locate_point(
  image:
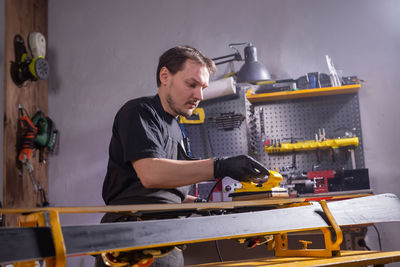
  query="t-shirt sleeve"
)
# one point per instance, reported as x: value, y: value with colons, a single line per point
x: 140, y: 133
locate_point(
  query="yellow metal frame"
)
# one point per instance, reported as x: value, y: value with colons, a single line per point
x: 331, y: 248
x: 46, y: 219
x: 49, y: 217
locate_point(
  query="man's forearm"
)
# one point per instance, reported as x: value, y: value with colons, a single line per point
x: 168, y: 173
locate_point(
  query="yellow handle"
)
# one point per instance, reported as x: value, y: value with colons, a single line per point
x: 198, y: 112
x: 311, y: 145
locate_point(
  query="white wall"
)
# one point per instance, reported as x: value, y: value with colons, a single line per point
x: 103, y: 53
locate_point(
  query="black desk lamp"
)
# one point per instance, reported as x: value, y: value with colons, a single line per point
x: 252, y: 71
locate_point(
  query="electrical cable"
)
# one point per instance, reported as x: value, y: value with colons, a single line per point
x: 212, y: 189
x: 217, y: 247
x: 363, y: 244
x: 209, y: 196
x: 379, y: 237
x: 219, y: 253
x: 209, y: 213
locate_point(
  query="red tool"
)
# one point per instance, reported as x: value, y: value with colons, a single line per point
x: 320, y: 179
x: 28, y: 143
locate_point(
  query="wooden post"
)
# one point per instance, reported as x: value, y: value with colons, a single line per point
x: 21, y: 17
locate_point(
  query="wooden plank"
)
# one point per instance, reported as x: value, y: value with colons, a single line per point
x: 311, y: 197
x: 93, y: 239
x: 348, y: 258
x: 21, y: 17
x: 267, y: 203
x: 303, y: 93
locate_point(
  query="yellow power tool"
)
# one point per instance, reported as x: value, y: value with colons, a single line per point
x: 252, y: 188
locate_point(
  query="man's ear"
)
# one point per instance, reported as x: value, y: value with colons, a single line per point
x: 164, y: 75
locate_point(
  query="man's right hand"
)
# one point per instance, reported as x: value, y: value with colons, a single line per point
x: 241, y: 168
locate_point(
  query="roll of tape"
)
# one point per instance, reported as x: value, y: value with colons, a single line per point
x: 220, y: 88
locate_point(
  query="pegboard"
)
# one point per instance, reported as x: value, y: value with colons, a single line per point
x: 301, y: 119
x: 207, y: 141
x: 282, y: 120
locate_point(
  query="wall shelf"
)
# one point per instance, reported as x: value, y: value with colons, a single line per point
x: 302, y: 93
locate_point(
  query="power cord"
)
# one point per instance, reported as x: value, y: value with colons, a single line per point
x: 217, y: 246
x: 212, y: 190
x: 210, y: 194
x: 209, y: 213
x: 363, y: 244
x: 379, y: 237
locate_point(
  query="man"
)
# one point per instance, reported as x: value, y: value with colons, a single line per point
x: 148, y: 162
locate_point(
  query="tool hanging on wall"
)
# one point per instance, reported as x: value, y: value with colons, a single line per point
x: 197, y: 117
x: 227, y: 121
x: 25, y: 154
x: 38, y: 133
x: 29, y: 68
x: 252, y: 130
x: 311, y: 145
x: 342, y: 133
x: 46, y: 135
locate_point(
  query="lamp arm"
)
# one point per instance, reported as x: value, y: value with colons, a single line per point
x: 230, y: 55
x: 234, y: 57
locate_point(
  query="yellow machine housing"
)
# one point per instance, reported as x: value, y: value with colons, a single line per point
x: 274, y: 179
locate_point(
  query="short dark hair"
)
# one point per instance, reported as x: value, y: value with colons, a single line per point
x: 174, y: 59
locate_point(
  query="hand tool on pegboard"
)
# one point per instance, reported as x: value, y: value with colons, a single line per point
x: 263, y: 138
x: 228, y: 121
x: 197, y: 117
x: 252, y: 130
x: 342, y: 133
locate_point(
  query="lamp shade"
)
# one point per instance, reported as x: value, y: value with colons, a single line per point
x: 252, y: 71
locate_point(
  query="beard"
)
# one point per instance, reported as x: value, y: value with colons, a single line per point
x: 172, y: 104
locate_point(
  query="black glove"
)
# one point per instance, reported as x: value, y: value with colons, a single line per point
x: 241, y: 168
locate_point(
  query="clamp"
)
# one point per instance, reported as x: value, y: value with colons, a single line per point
x: 331, y: 248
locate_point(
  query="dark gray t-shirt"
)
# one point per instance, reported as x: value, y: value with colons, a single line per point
x: 141, y: 129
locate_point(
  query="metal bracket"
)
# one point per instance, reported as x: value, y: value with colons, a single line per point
x: 331, y: 248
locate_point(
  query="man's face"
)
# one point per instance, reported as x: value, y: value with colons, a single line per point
x: 184, y: 89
